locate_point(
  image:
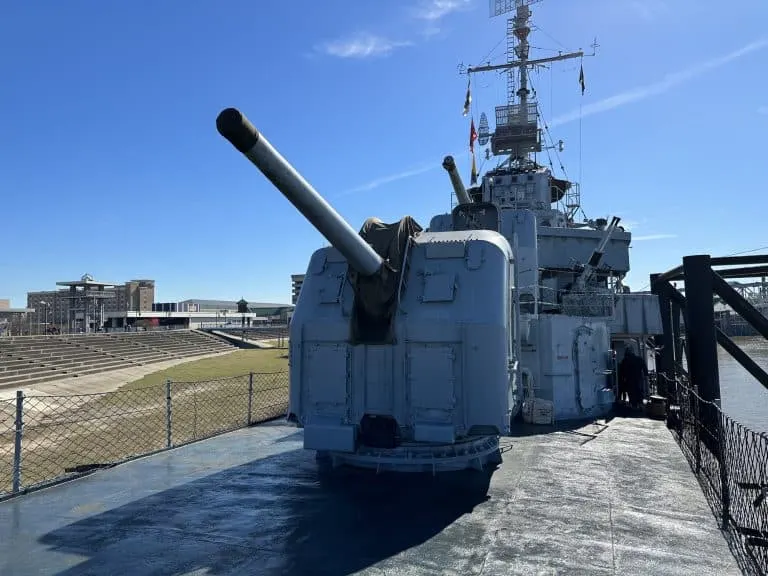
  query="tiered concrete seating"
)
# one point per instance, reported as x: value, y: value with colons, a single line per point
x: 173, y: 343
x: 33, y: 359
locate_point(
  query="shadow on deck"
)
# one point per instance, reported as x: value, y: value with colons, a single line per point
x: 254, y: 502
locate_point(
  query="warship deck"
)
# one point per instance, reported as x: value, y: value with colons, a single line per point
x: 618, y: 499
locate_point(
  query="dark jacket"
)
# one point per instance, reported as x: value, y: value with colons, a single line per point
x: 632, y: 371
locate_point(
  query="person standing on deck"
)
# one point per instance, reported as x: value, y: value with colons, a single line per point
x: 632, y: 376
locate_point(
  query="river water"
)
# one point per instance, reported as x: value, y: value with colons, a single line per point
x: 743, y: 398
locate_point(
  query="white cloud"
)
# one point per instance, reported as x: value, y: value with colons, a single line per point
x: 670, y: 81
x: 430, y: 31
x: 648, y: 9
x: 433, y: 10
x: 362, y: 45
x: 628, y: 224
x: 366, y: 45
x: 763, y: 110
x: 653, y: 237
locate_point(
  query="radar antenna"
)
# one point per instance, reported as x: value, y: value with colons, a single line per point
x: 517, y: 130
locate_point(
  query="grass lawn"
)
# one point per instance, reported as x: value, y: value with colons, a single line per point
x: 237, y: 363
x: 208, y: 396
x: 281, y: 342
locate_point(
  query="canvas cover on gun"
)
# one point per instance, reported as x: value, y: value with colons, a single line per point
x: 376, y: 296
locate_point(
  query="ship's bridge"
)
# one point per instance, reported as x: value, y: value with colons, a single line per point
x: 554, y: 201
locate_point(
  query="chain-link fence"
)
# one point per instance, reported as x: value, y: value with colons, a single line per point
x: 45, y: 439
x: 731, y: 462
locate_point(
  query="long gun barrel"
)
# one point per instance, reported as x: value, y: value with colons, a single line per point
x: 597, y: 255
x: 458, y: 186
x: 236, y: 128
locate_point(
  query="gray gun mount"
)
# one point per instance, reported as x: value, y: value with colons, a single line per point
x: 402, y: 342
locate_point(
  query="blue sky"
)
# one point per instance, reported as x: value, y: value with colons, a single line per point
x: 110, y: 162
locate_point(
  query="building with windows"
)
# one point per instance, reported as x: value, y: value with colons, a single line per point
x: 87, y: 305
x: 222, y: 309
x: 296, y: 281
x: 83, y: 305
x: 15, y: 321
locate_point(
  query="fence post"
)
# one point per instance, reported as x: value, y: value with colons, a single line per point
x: 168, y: 419
x: 697, y: 429
x: 19, y: 429
x: 701, y: 338
x: 250, y: 398
x: 725, y: 493
x: 665, y: 369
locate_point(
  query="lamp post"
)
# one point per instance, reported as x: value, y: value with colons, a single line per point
x: 47, y: 308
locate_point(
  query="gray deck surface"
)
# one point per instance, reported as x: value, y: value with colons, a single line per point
x: 253, y: 502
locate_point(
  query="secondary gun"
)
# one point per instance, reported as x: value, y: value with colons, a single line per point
x: 458, y: 186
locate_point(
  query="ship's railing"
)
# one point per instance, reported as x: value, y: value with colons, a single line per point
x: 731, y: 463
x: 594, y: 304
x: 517, y: 115
x: 48, y: 439
x: 730, y: 460
x: 571, y: 201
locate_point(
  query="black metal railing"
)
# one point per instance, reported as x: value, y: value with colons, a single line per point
x: 730, y: 460
x: 731, y: 463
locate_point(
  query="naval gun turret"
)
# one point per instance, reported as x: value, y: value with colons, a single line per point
x: 458, y: 186
x: 402, y: 347
x: 470, y: 213
x: 589, y: 269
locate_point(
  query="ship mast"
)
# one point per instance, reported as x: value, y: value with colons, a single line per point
x: 517, y: 131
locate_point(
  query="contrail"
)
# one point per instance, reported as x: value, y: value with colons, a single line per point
x: 653, y: 237
x: 370, y: 185
x: 616, y: 101
x: 402, y: 175
x: 669, y: 82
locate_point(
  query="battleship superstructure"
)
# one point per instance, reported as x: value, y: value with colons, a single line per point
x: 576, y: 314
x: 416, y: 349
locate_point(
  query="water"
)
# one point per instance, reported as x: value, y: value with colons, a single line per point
x: 743, y: 398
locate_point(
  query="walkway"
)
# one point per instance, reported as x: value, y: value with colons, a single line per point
x: 622, y: 501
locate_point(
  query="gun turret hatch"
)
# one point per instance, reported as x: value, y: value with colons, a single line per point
x: 236, y: 128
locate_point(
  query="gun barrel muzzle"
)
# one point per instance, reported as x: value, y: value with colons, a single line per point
x: 236, y: 128
x: 458, y: 186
